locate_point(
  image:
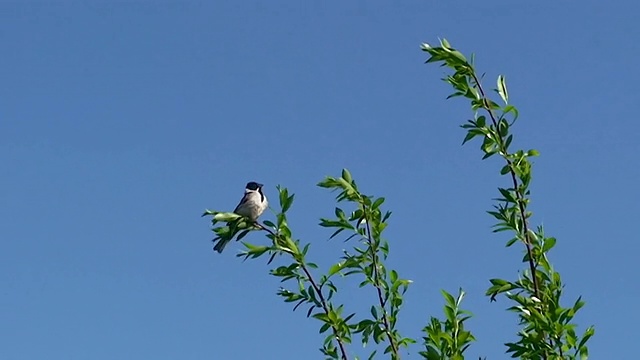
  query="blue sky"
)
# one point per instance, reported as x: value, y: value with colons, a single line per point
x: 120, y: 122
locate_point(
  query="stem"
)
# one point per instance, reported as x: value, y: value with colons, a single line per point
x: 559, y: 345
x: 519, y: 198
x: 521, y: 208
x: 316, y: 288
x: 376, y: 284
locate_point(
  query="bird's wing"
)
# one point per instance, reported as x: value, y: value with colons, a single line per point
x: 245, y: 198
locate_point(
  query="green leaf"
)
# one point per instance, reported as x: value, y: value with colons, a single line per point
x: 502, y: 89
x: 253, y: 251
x: 448, y: 297
x: 489, y: 154
x: 511, y: 242
x: 209, y: 212
x: 458, y: 56
x: 377, y: 203
x: 499, y: 282
x: 335, y: 268
x: 472, y: 93
x: 507, y: 194
x: 503, y: 127
x: 372, y: 355
x: 489, y: 104
x: 289, y: 203
x: 331, y: 223
x: 324, y: 327
x: 584, y: 353
x: 335, y: 233
x: 328, y: 182
x: 393, y: 276
x: 511, y: 109
x: 508, y: 141
x: 578, y: 304
x: 454, y: 95
x: 433, y: 59
x: 269, y: 224
x: 283, y: 193
x: 470, y: 135
x: 586, y: 336
x: 226, y: 217
x: 346, y: 175
x: 548, y: 244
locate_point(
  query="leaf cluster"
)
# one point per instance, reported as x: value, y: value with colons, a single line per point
x: 547, y: 331
x: 366, y: 223
x: 448, y: 339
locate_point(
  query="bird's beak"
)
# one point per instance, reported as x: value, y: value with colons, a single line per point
x: 260, y: 185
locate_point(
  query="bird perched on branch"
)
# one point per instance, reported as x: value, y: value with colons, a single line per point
x: 252, y: 205
x: 253, y: 202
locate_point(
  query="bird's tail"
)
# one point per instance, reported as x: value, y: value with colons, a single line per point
x: 219, y: 246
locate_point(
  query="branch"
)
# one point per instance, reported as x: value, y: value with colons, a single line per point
x: 514, y: 180
x: 316, y: 288
x: 519, y: 198
x: 376, y: 284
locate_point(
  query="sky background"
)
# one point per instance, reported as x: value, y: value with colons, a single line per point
x: 120, y: 122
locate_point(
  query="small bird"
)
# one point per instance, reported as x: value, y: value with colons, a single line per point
x: 251, y: 206
x: 253, y: 202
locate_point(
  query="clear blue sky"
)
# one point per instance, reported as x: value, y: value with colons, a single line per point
x: 120, y: 122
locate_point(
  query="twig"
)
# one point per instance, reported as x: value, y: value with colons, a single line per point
x: 519, y: 198
x: 316, y: 288
x: 376, y: 277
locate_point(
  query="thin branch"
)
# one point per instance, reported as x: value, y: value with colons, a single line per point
x: 376, y: 278
x: 316, y: 288
x: 519, y: 198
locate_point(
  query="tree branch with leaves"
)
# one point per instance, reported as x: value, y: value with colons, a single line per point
x: 547, y: 330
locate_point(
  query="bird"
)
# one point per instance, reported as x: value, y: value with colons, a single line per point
x: 253, y: 203
x: 251, y: 206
